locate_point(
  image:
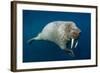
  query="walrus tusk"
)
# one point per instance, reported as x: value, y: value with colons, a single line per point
x: 76, y: 44
x: 72, y: 43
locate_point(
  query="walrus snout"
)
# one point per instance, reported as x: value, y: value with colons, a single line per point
x: 75, y: 35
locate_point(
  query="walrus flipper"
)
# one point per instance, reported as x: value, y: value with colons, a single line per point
x: 34, y: 38
x: 70, y: 52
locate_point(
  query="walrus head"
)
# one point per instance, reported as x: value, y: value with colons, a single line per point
x: 74, y: 33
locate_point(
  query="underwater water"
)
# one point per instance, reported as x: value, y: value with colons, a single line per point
x: 33, y: 23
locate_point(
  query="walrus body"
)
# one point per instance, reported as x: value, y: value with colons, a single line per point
x: 59, y: 32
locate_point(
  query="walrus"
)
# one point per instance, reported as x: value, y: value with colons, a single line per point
x: 60, y: 32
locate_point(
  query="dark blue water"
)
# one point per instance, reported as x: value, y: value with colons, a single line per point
x: 33, y: 23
